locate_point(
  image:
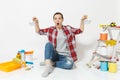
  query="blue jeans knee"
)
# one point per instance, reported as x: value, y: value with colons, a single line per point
x: 49, y: 50
x: 48, y: 45
x: 69, y: 64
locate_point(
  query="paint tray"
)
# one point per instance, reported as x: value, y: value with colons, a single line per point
x: 9, y: 66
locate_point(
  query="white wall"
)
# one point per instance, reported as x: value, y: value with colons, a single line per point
x: 17, y: 34
x: 118, y: 10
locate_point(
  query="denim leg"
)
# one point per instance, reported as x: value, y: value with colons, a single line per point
x: 65, y: 62
x: 50, y: 52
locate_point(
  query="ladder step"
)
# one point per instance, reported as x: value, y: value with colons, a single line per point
x: 103, y: 56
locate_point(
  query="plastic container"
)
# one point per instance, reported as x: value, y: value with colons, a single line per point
x: 18, y: 56
x: 9, y: 66
x: 104, y: 65
x: 104, y: 36
x: 22, y: 52
x: 103, y: 51
x: 29, y: 58
x: 112, y: 67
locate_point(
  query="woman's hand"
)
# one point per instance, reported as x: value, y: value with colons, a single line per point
x: 37, y: 28
x: 35, y: 20
x: 82, y: 22
x: 84, y: 17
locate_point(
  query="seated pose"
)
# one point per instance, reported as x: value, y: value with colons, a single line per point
x: 60, y: 51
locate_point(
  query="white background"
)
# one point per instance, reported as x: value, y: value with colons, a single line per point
x: 17, y: 34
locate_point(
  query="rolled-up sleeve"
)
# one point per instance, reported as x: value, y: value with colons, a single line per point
x: 76, y: 30
x: 43, y: 31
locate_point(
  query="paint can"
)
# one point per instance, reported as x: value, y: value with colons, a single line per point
x: 103, y: 50
x: 112, y: 67
x: 103, y: 36
x: 22, y: 53
x: 104, y: 65
x: 29, y: 58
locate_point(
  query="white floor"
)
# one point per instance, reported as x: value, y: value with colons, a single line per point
x: 81, y: 72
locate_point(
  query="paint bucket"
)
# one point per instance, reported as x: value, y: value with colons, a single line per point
x: 112, y: 67
x: 104, y: 65
x: 29, y: 57
x: 22, y: 53
x: 103, y: 51
x: 103, y: 36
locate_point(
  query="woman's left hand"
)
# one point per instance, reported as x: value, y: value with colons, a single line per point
x: 84, y: 17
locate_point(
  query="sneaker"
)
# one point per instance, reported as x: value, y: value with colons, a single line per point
x: 48, y: 70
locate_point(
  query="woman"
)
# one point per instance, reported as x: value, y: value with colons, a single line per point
x: 60, y: 51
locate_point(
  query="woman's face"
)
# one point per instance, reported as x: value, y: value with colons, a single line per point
x: 58, y: 20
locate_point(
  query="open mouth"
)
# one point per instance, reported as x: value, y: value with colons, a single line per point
x: 57, y: 23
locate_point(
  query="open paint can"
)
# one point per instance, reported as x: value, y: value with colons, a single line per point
x: 112, y: 67
x: 103, y: 36
x: 104, y: 65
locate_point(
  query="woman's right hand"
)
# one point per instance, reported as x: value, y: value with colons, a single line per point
x: 35, y: 20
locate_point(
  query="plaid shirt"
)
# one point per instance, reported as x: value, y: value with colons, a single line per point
x: 69, y: 31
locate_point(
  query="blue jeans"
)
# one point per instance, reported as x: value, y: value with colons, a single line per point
x: 61, y: 61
